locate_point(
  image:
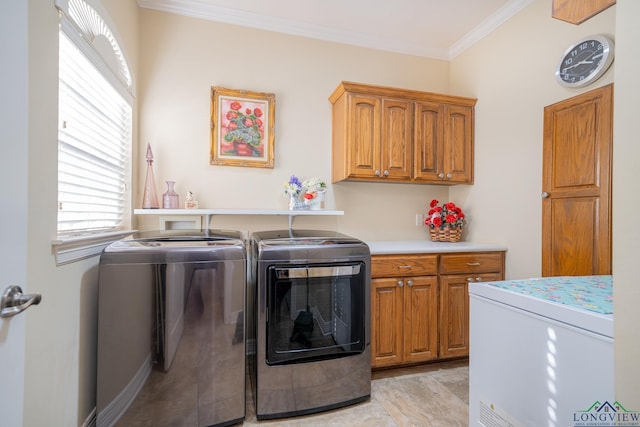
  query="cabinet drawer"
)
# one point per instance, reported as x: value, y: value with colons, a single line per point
x: 404, y: 265
x: 472, y: 262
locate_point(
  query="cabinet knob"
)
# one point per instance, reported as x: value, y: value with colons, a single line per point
x: 400, y: 283
x: 544, y: 194
x: 449, y: 176
x: 478, y: 279
x: 386, y: 172
x: 469, y: 279
x: 377, y: 172
x: 441, y: 175
x: 410, y: 282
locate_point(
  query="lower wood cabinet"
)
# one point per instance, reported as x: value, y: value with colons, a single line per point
x: 404, y: 326
x: 454, y: 312
x: 420, y: 304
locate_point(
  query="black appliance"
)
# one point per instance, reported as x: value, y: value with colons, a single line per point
x: 308, y: 313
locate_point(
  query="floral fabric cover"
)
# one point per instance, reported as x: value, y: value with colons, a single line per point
x: 594, y: 293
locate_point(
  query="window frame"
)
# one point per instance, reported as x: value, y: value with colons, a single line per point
x: 71, y: 246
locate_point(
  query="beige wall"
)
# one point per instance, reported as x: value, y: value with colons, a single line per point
x: 61, y: 331
x: 626, y: 197
x: 511, y: 71
x: 180, y: 58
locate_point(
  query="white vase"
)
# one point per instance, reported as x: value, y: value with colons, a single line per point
x: 296, y: 204
x: 318, y: 201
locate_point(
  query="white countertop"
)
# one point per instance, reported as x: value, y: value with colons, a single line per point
x: 426, y: 246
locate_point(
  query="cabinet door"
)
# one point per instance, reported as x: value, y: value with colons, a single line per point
x: 454, y: 316
x: 420, y: 319
x: 454, y: 311
x: 458, y: 145
x: 428, y: 143
x: 396, y: 161
x: 386, y: 322
x: 364, y: 136
x: 443, y: 143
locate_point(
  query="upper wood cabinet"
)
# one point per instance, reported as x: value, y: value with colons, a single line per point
x: 398, y: 135
x: 379, y: 131
x: 578, y: 11
x: 443, y: 143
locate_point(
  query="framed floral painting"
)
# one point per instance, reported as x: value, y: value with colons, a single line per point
x: 242, y: 124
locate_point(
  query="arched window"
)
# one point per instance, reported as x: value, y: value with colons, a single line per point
x: 95, y: 124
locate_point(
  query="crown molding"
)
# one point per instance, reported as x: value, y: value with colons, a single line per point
x: 487, y: 26
x: 204, y: 10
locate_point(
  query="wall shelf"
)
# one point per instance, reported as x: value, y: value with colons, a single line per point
x: 208, y: 213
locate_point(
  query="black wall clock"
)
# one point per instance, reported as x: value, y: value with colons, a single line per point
x: 585, y: 61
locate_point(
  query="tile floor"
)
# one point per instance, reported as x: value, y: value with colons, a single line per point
x: 431, y: 395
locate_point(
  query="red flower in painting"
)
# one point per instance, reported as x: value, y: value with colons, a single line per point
x: 244, y: 128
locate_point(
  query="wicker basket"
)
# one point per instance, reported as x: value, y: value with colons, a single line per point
x: 445, y: 234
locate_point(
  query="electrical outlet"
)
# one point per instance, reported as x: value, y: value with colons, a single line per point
x: 419, y: 219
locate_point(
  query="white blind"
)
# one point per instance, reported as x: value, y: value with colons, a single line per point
x: 94, y: 140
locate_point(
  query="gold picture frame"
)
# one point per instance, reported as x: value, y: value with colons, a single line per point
x: 242, y: 128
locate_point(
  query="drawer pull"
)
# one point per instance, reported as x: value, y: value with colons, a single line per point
x: 473, y: 264
x: 404, y: 266
x: 400, y: 283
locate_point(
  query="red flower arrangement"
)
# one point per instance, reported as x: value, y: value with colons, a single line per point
x: 447, y: 214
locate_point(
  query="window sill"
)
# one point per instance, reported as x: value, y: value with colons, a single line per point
x: 75, y: 248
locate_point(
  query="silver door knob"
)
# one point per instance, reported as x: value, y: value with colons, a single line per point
x: 386, y: 173
x: 449, y: 176
x: 15, y: 302
x: 544, y: 194
x: 377, y: 172
x: 410, y: 282
x: 400, y: 283
x: 441, y: 175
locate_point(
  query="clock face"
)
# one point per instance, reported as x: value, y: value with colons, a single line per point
x: 585, y: 62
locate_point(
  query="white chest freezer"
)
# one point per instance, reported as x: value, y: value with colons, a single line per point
x: 541, y: 352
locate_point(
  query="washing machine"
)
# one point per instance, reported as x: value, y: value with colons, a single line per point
x: 171, y: 339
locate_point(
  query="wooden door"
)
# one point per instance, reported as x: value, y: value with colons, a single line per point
x: 576, y: 204
x: 420, y: 318
x: 364, y: 136
x: 386, y: 322
x: 397, y: 118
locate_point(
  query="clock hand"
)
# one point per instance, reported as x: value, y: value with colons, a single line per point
x: 577, y: 64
